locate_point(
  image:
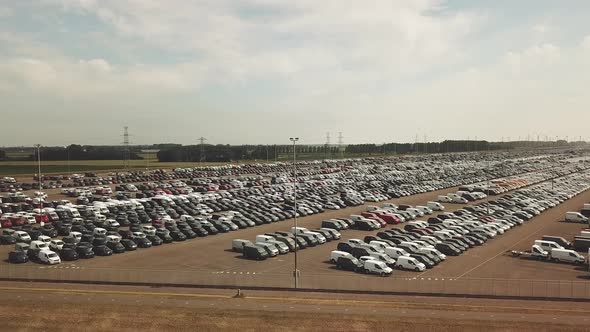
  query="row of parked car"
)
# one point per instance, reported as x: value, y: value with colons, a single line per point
x: 424, y: 244
x: 273, y: 244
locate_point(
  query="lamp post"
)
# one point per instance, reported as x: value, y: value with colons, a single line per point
x: 296, y: 271
x: 38, y: 146
x: 68, y: 151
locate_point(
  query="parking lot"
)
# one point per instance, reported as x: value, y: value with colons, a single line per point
x: 210, y: 260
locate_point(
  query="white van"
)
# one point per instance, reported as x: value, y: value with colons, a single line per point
x: 395, y: 252
x: 39, y: 245
x: 444, y: 199
x: 49, y: 257
x: 113, y: 238
x: 432, y: 251
x: 149, y: 230
x: 376, y: 267
x: 409, y: 263
x: 568, y: 256
x: 302, y: 230
x: 44, y: 238
x: 390, y: 205
x: 424, y: 209
x: 379, y: 244
x: 575, y: 217
x: 21, y: 236
x: 416, y: 212
x: 77, y: 236
x: 264, y: 238
x: 435, y: 206
x: 238, y: 244
x: 548, y: 245
x: 100, y: 232
x: 56, y: 245
x: 335, y: 254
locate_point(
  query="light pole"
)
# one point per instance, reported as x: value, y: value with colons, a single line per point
x: 68, y: 151
x: 295, y: 272
x: 38, y: 146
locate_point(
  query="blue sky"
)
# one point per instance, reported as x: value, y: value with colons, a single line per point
x: 261, y: 71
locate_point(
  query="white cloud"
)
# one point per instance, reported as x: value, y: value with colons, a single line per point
x: 5, y: 11
x: 307, y: 40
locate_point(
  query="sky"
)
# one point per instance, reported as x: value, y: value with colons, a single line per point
x: 261, y: 71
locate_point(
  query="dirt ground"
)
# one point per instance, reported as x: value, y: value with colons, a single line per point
x: 67, y: 307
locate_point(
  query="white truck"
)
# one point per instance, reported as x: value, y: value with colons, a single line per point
x: 575, y: 217
x: 537, y: 252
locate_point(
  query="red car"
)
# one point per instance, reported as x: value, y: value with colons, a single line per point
x: 158, y: 223
x: 379, y: 220
x: 389, y: 218
x: 5, y: 223
x: 39, y: 217
x: 18, y: 221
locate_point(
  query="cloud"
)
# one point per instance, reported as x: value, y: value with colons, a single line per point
x: 5, y: 11
x: 228, y: 42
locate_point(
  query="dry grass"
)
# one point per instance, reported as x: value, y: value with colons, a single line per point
x: 131, y: 318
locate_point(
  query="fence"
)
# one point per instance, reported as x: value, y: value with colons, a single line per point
x: 352, y: 282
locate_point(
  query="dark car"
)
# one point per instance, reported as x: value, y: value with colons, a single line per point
x: 68, y: 254
x: 188, y: 232
x: 200, y: 231
x: 34, y: 234
x: 424, y: 260
x: 165, y: 236
x: 252, y: 251
x: 63, y: 229
x: 447, y: 249
x: 17, y: 257
x: 129, y: 244
x: 48, y: 230
x: 85, y: 251
x: 345, y: 246
x: 359, y: 251
x: 177, y: 236
x: 7, y: 239
x: 155, y: 240
x: 116, y: 247
x: 102, y: 250
x: 142, y: 242
x: 349, y: 264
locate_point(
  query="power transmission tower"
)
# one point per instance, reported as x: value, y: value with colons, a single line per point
x: 202, y: 154
x: 126, y: 153
x: 340, y: 146
x: 327, y: 147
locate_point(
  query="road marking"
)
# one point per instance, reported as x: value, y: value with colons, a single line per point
x: 503, y: 251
